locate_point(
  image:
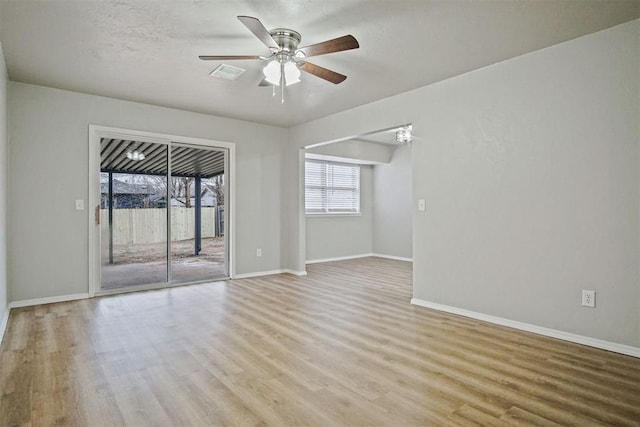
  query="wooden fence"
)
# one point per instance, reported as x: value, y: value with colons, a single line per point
x: 136, y: 226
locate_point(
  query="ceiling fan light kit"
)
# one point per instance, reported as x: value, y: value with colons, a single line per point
x: 286, y: 61
x: 280, y: 68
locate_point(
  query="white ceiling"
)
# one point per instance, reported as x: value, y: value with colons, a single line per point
x: 147, y: 51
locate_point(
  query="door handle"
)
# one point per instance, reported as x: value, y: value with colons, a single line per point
x: 97, y: 214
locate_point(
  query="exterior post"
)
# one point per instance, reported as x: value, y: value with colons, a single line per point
x: 198, y: 214
x: 110, y: 217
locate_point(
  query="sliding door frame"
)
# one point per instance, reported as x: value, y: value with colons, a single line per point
x: 96, y: 133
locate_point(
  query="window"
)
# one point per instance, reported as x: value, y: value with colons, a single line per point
x: 331, y: 187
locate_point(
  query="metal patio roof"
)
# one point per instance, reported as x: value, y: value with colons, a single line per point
x: 185, y: 161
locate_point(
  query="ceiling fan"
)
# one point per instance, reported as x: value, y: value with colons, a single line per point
x: 286, y: 60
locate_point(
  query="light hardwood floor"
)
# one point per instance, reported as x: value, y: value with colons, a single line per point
x: 341, y: 346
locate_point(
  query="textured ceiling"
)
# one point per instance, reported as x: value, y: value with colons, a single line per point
x: 147, y: 51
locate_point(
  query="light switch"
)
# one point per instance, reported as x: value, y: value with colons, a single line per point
x: 422, y: 205
x: 80, y: 205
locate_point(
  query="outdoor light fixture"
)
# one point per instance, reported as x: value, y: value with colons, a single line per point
x: 404, y: 135
x: 135, y: 155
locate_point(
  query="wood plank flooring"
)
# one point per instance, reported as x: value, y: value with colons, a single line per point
x: 340, y: 346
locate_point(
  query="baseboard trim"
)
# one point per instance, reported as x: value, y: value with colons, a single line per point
x: 339, y: 258
x: 5, y: 322
x: 397, y: 258
x: 553, y: 333
x: 296, y: 273
x: 47, y: 300
x: 269, y: 273
x: 258, y: 274
x: 344, y: 258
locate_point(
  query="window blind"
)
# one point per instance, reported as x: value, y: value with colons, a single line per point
x: 331, y: 187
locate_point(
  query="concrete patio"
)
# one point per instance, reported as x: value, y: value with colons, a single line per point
x: 146, y: 264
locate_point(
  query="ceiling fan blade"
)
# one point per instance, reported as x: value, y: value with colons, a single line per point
x: 323, y: 73
x: 264, y: 83
x: 255, y: 26
x: 227, y: 57
x: 334, y: 45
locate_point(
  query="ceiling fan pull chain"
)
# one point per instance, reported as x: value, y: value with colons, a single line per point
x: 282, y: 82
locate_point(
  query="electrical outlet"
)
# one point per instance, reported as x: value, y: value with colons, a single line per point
x: 588, y: 298
x: 258, y: 252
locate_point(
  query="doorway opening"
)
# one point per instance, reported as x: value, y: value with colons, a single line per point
x: 358, y: 197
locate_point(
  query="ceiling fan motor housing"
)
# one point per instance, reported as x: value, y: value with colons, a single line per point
x: 286, y: 39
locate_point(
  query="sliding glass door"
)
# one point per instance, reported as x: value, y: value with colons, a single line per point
x: 161, y: 214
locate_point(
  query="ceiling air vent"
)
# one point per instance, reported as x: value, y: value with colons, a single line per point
x: 227, y: 72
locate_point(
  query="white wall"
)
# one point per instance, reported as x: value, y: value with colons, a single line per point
x: 334, y: 236
x: 4, y: 291
x: 392, y: 205
x: 48, y: 155
x: 530, y: 170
